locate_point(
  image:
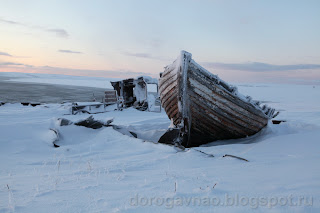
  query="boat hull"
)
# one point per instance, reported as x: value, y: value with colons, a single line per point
x: 204, y: 108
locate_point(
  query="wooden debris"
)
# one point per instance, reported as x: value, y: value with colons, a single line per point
x: 90, y: 122
x: 56, y: 139
x: 214, y: 185
x: 278, y: 121
x: 209, y: 155
x: 233, y: 156
x: 64, y: 122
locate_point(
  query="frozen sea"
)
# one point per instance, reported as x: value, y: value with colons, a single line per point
x: 12, y: 91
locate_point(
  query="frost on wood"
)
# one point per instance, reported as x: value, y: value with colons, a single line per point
x: 139, y: 92
x: 233, y: 90
x: 92, y: 123
x: 204, y: 107
x: 134, y: 92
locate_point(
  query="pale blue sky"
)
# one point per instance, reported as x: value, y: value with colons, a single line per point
x: 144, y: 36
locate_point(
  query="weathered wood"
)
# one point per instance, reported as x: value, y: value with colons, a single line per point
x: 226, y: 96
x: 233, y: 156
x: 110, y: 97
x: 209, y: 155
x: 278, y: 121
x: 204, y: 107
x: 228, y: 114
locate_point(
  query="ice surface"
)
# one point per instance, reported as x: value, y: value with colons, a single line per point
x: 17, y: 92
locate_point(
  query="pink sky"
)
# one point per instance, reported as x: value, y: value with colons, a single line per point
x: 252, y: 41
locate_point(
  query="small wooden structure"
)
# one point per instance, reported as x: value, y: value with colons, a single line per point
x: 124, y: 89
x: 203, y: 108
x: 134, y: 92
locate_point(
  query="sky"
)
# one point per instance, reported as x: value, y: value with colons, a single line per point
x: 240, y: 40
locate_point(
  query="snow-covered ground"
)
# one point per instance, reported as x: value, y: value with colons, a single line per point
x: 102, y: 170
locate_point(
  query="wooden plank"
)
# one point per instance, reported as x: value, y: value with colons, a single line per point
x: 213, y: 101
x: 110, y: 97
x: 222, y: 120
x: 168, y: 81
x: 226, y: 99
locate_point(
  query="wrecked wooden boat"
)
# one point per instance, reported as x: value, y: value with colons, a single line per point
x: 203, y: 108
x: 134, y: 92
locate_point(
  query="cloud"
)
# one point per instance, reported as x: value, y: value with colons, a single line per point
x: 11, y: 64
x: 145, y: 55
x: 138, y: 55
x: 10, y: 22
x: 14, y: 64
x: 13, y: 56
x: 57, y: 31
x: 260, y: 67
x: 92, y: 73
x: 69, y: 51
x: 5, y: 54
x: 20, y: 67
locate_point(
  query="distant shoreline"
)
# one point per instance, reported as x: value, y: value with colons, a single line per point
x: 17, y: 92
